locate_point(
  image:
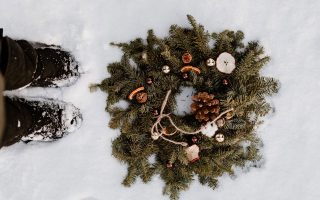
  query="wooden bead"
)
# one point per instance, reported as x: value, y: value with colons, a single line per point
x: 220, y: 122
x: 185, y: 75
x: 194, y: 139
x: 225, y: 82
x: 149, y: 81
x: 155, y: 112
x: 169, y: 164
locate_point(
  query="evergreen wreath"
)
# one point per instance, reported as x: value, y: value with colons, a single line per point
x: 219, y: 132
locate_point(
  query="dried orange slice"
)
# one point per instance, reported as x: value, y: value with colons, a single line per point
x: 190, y: 68
x: 134, y: 92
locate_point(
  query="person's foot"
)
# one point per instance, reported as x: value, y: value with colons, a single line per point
x: 24, y: 64
x: 56, y: 67
x: 39, y: 120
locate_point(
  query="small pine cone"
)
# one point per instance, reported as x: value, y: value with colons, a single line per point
x: 205, y: 106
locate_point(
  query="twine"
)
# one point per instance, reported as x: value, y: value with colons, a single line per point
x: 155, y: 127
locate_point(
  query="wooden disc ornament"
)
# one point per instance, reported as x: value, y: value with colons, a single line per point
x: 193, y: 153
x: 226, y: 63
x: 192, y: 74
x: 142, y: 97
x: 186, y: 58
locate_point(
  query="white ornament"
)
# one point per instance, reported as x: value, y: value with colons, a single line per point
x: 219, y: 137
x: 193, y: 153
x: 166, y: 69
x: 155, y: 136
x: 209, y: 129
x: 226, y: 63
x: 210, y: 62
x: 144, y: 56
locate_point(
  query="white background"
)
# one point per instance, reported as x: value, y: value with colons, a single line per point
x: 80, y: 166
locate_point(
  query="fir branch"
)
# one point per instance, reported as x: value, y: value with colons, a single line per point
x: 245, y: 94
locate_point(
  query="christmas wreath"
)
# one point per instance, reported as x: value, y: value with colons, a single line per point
x: 228, y: 101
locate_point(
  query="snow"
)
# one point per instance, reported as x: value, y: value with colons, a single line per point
x: 209, y: 129
x: 184, y: 101
x: 80, y: 166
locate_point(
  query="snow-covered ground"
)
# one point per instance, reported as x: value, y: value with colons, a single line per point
x: 80, y: 166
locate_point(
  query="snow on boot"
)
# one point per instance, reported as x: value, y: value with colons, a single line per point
x: 39, y: 120
x: 24, y: 64
x: 56, y: 67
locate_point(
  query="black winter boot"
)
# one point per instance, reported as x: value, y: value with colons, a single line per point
x: 38, y: 120
x: 24, y: 63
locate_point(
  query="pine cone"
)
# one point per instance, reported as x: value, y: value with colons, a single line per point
x: 205, y: 106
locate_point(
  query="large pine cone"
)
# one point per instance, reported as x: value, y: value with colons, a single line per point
x: 205, y: 106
